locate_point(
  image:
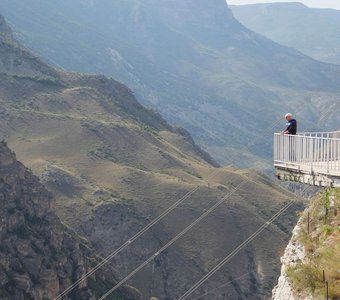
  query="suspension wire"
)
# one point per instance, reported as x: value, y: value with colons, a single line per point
x: 239, y: 248
x: 177, y: 237
x: 247, y: 241
x: 131, y: 240
x: 107, y: 259
x: 223, y: 285
x: 258, y: 216
x: 229, y: 282
x: 206, y: 213
x: 173, y: 240
x: 226, y: 284
x: 233, y: 253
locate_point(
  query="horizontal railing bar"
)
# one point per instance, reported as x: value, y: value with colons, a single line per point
x: 318, y: 132
x: 307, y: 137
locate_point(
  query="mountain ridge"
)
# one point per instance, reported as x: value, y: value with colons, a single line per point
x: 312, y: 31
x: 207, y: 77
x: 114, y: 166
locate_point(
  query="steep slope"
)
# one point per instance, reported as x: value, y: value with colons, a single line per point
x: 14, y: 60
x: 312, y: 31
x: 190, y: 60
x: 39, y: 257
x: 115, y: 165
x: 310, y: 265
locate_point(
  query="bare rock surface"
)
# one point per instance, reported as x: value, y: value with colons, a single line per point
x: 293, y: 254
x: 39, y: 256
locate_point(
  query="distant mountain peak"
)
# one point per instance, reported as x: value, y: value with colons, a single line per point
x: 290, y: 4
x: 299, y: 4
x: 195, y: 12
x: 199, y: 8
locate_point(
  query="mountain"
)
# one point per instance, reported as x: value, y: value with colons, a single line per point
x: 190, y: 60
x: 40, y: 257
x: 313, y: 31
x: 114, y: 166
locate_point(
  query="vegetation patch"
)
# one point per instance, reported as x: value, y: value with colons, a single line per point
x: 194, y: 173
x: 321, y: 239
x: 49, y: 81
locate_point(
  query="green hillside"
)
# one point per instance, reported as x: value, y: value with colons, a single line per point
x: 193, y: 62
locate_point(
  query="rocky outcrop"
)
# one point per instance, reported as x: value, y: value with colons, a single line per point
x: 293, y: 254
x: 39, y: 257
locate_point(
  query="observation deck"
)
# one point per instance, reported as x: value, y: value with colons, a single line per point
x: 308, y: 157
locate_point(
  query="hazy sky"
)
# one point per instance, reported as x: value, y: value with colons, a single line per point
x: 312, y: 3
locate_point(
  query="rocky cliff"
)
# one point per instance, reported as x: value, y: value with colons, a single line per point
x: 39, y: 257
x: 311, y: 262
x: 293, y: 254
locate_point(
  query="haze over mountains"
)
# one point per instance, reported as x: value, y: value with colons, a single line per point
x: 190, y: 60
x: 313, y: 31
x: 115, y: 165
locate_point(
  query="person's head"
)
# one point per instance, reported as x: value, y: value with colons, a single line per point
x: 289, y: 116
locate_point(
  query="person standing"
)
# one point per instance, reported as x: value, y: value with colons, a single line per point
x: 291, y: 125
x: 291, y: 129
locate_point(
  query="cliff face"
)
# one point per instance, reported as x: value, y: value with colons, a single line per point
x: 39, y: 257
x: 293, y: 254
x: 311, y: 262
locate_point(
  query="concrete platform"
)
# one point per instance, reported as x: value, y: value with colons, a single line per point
x: 317, y: 176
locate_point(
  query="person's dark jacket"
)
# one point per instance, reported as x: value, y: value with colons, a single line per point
x: 292, y: 126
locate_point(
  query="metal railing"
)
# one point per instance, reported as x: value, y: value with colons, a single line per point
x: 309, y: 151
x: 332, y: 134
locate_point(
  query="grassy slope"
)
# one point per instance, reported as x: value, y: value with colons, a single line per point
x: 322, y: 247
x: 101, y: 160
x: 115, y: 165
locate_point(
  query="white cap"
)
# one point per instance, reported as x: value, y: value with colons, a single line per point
x: 288, y: 115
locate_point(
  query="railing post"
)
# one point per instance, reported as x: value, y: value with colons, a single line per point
x: 310, y: 155
x: 327, y: 143
x: 338, y: 154
x: 284, y: 149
